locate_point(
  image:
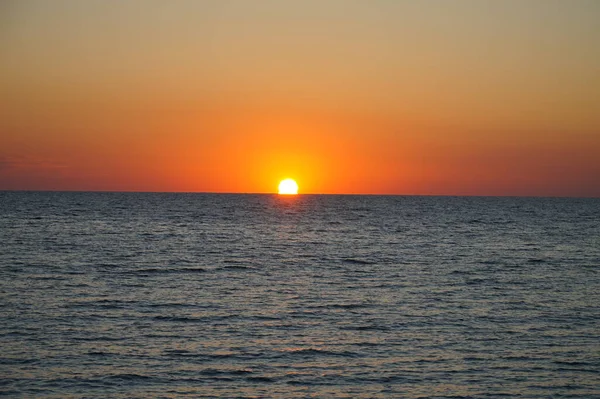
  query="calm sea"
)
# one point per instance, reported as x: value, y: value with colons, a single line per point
x: 126, y: 295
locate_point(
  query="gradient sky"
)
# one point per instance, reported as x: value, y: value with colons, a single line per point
x: 380, y: 96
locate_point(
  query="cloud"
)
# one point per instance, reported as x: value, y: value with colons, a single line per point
x: 20, y: 163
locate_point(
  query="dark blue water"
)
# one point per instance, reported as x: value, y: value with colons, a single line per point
x: 260, y: 296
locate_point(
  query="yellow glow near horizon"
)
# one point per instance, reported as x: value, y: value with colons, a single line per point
x: 288, y: 186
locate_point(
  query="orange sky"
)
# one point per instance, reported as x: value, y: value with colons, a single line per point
x: 345, y: 96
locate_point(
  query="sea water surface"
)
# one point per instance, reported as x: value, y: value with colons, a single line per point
x: 128, y: 295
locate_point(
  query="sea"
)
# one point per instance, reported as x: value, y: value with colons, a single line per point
x: 173, y: 295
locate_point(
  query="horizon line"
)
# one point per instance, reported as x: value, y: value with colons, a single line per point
x: 299, y: 194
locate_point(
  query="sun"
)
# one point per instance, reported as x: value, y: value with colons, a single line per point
x: 288, y: 186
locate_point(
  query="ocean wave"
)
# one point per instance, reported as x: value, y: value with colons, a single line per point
x: 99, y: 353
x: 169, y: 270
x: 536, y: 260
x: 130, y: 377
x: 345, y: 306
x: 236, y: 267
x: 372, y: 327
x: 103, y: 338
x: 316, y: 352
x: 216, y: 372
x: 261, y: 379
x: 356, y: 261
x: 193, y: 319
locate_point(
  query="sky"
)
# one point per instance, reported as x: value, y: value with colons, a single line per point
x: 463, y: 97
